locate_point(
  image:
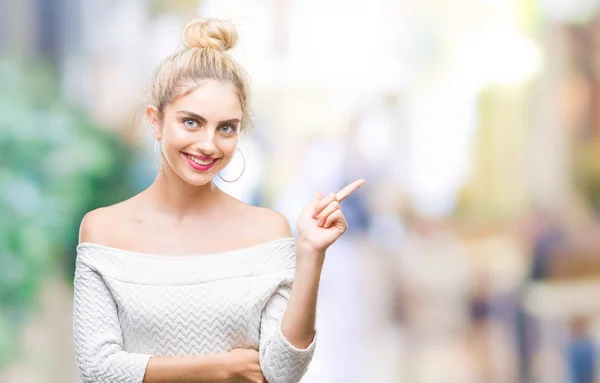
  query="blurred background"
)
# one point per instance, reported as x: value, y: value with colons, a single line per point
x: 473, y: 253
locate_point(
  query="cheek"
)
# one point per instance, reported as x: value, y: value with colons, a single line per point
x: 228, y: 147
x: 175, y: 137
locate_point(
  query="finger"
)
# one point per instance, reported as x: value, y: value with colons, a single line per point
x: 333, y: 206
x: 335, y: 217
x: 317, y: 197
x: 322, y: 204
x: 314, y: 201
x: 345, y: 192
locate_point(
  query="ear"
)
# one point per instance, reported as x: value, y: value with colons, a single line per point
x: 153, y: 117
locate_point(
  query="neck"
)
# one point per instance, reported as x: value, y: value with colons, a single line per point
x: 174, y: 197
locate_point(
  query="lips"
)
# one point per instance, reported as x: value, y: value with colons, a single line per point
x: 201, y: 160
x: 200, y: 163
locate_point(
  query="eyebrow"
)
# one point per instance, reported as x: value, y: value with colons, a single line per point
x: 203, y: 120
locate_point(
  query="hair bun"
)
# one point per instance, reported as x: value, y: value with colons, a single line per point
x: 216, y: 34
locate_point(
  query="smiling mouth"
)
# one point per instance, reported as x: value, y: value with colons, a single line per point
x: 199, y: 161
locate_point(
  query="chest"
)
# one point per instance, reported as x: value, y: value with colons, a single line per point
x: 185, y: 239
x: 198, y: 318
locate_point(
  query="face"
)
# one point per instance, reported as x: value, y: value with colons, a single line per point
x: 199, y: 131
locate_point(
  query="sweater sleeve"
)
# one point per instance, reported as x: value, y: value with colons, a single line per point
x: 280, y: 361
x: 97, y: 334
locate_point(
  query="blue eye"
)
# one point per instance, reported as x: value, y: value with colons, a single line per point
x: 228, y: 129
x: 189, y: 123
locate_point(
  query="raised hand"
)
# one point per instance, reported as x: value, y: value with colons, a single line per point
x: 322, y: 221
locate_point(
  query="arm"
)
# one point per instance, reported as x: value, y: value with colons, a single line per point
x: 98, y: 338
x: 288, y: 335
x: 99, y: 345
x: 200, y: 368
x: 320, y: 224
x: 298, y: 323
x: 289, y: 346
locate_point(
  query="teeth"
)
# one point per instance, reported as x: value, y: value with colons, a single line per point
x: 200, y: 162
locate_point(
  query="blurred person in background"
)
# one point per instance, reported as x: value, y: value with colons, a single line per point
x: 144, y: 309
x: 581, y: 353
x: 547, y: 237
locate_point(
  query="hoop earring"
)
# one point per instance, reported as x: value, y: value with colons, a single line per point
x: 158, y: 167
x: 243, y: 168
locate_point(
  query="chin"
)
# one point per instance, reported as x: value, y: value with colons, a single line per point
x: 197, y: 179
x: 197, y: 182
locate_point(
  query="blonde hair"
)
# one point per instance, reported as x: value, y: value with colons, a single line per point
x: 203, y: 57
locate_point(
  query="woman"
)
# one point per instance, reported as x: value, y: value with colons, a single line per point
x: 181, y: 282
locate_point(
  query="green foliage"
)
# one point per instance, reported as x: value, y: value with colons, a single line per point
x: 55, y: 164
x: 587, y: 173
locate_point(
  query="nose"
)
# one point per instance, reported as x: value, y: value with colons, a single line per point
x: 205, y: 142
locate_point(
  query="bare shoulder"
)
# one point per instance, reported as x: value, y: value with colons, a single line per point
x: 98, y: 224
x: 266, y: 224
x: 274, y: 221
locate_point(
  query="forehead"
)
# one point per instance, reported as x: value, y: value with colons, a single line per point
x: 212, y: 100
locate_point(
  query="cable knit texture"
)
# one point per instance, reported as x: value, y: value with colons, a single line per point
x: 129, y: 306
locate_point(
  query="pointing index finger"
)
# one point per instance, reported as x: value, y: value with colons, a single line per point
x: 345, y: 192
